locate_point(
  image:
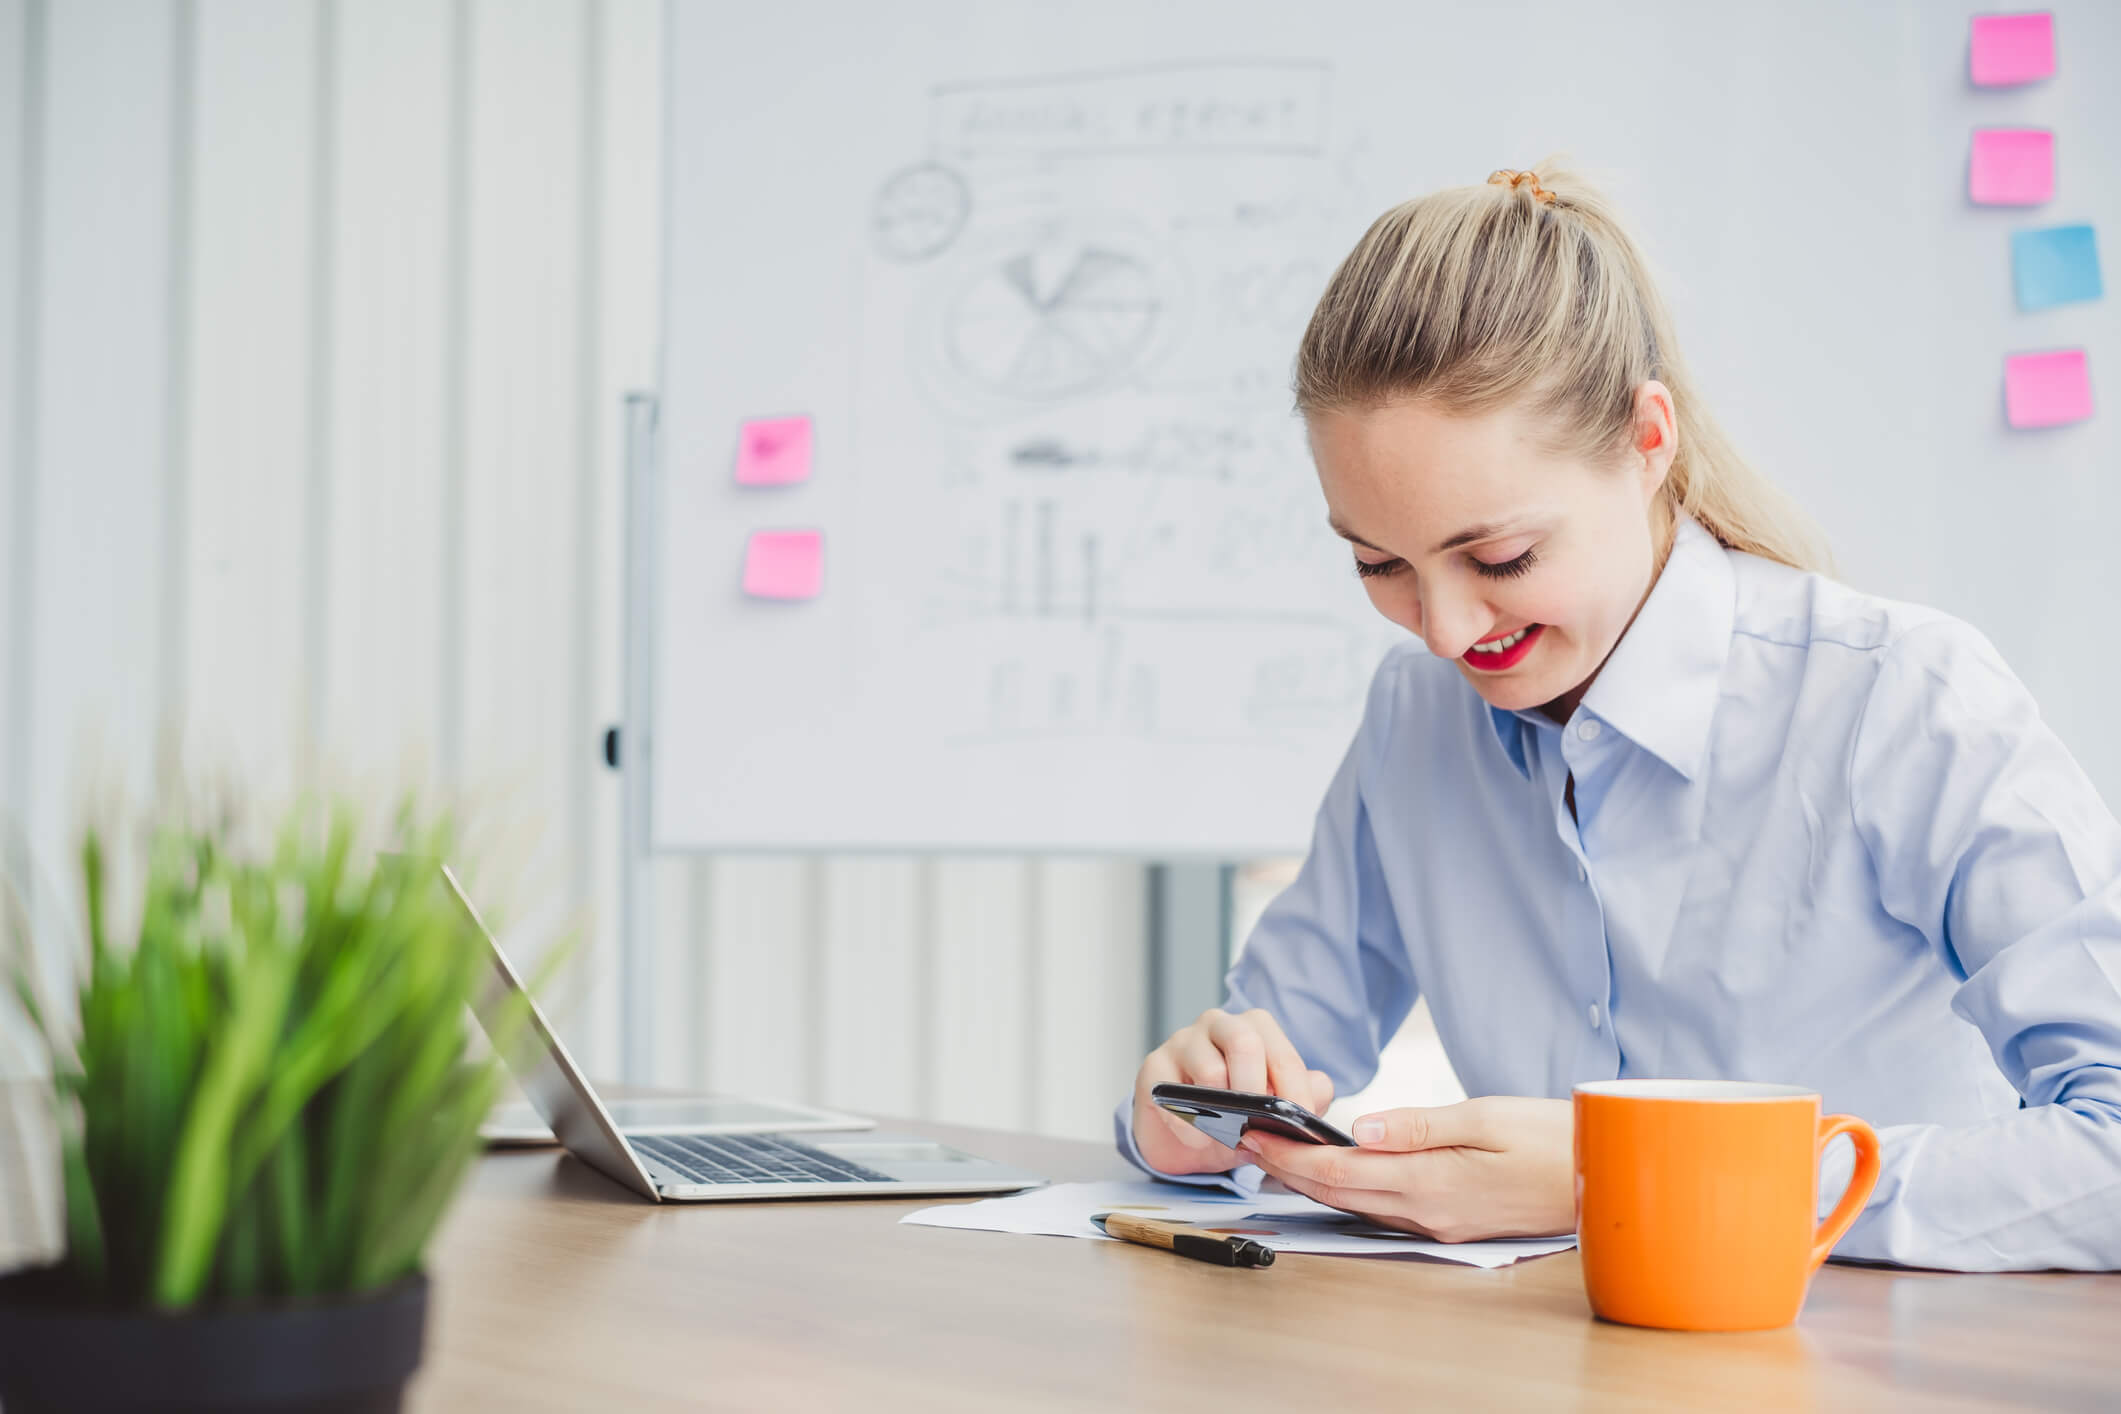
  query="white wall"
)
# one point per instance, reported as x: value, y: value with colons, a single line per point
x: 315, y: 318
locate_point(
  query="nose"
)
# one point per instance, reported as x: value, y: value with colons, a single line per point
x: 1452, y: 621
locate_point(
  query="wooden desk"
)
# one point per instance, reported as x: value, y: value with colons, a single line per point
x: 557, y: 1290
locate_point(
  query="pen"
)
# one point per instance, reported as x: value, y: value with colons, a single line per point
x: 1186, y: 1241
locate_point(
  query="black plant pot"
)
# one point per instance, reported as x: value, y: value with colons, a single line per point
x: 323, y: 1357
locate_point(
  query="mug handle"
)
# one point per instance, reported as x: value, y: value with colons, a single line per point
x: 1861, y: 1181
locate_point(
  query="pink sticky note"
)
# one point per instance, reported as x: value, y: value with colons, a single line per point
x: 2012, y: 48
x: 2047, y: 389
x: 784, y: 564
x: 2012, y: 167
x: 773, y: 451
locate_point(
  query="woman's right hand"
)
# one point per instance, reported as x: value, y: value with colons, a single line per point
x: 1225, y: 1052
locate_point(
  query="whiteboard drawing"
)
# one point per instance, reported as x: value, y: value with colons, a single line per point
x: 919, y: 211
x: 1068, y: 308
x: 1053, y: 322
x: 1105, y: 345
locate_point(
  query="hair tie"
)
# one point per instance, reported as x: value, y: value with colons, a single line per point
x: 1505, y: 177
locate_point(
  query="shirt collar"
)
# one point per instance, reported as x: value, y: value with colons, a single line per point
x: 1660, y: 685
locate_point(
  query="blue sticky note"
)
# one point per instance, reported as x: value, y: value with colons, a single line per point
x: 2058, y: 265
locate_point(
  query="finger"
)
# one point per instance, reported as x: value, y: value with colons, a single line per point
x: 1330, y: 1165
x: 1158, y: 1069
x: 1403, y: 1131
x: 1378, y: 1198
x: 1286, y: 1074
x: 1321, y: 1092
x: 1200, y: 1061
x: 1363, y: 1202
x: 1406, y: 1225
x: 1244, y: 1052
x: 1210, y: 1155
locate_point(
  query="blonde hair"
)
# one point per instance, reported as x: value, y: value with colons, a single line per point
x: 1527, y: 289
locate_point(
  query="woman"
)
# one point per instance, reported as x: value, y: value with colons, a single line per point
x: 1658, y: 799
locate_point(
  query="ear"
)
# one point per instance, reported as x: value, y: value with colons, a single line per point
x: 1655, y: 438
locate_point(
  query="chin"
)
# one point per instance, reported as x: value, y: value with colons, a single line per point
x: 1511, y: 692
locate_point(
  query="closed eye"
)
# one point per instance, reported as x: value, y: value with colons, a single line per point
x: 1508, y: 569
x: 1366, y: 570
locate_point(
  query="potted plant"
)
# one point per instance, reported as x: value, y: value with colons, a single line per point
x: 267, y: 1099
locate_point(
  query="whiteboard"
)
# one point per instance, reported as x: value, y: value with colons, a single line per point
x: 1036, y: 274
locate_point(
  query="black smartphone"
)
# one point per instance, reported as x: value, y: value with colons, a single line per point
x: 1224, y: 1115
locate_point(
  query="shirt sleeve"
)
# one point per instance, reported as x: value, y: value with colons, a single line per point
x: 1988, y: 837
x: 1326, y: 959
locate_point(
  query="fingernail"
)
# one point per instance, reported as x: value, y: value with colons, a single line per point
x: 1369, y: 1131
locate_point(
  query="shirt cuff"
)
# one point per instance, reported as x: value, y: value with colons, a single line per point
x: 1244, y: 1180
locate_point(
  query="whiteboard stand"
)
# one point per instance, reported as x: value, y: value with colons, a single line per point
x: 1189, y: 942
x: 633, y: 750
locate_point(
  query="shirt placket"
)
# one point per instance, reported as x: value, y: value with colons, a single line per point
x: 1588, y: 752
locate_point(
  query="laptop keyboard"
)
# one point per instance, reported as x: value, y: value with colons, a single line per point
x: 749, y: 1158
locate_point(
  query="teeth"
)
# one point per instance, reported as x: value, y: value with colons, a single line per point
x: 1503, y: 645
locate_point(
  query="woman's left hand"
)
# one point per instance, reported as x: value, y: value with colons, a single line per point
x: 1498, y: 1166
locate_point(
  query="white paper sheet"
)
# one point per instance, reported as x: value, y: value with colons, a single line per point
x: 1284, y: 1221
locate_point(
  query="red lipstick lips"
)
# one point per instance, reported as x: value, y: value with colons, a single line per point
x: 1509, y: 657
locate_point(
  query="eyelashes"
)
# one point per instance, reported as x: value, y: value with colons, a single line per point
x: 1508, y: 569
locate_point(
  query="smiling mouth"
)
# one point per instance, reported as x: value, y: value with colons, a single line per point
x: 1507, y: 651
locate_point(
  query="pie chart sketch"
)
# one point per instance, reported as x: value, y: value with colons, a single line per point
x: 1053, y: 322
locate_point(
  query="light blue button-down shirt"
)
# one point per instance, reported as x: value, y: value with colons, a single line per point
x: 1820, y: 838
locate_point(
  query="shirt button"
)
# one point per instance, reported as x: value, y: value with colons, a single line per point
x: 1594, y: 1016
x: 1588, y: 730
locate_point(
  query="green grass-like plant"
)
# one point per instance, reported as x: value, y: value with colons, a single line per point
x: 273, y: 1092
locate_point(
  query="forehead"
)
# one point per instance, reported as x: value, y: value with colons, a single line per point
x: 1407, y: 466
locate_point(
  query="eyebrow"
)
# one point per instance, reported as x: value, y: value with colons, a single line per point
x: 1467, y: 536
x: 1470, y: 534
x: 1346, y: 534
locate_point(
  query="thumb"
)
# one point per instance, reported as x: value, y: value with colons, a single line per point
x: 1404, y: 1131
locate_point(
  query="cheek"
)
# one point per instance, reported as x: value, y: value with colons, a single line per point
x: 1544, y: 600
x: 1394, y: 596
x: 1585, y: 605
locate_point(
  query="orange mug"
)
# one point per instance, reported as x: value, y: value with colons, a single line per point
x: 1696, y: 1200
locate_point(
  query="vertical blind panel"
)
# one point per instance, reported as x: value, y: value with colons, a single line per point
x: 249, y: 329
x: 99, y: 454
x: 978, y: 1025
x: 518, y: 550
x: 870, y: 1010
x: 384, y: 556
x: 1090, y: 993
x: 673, y: 996
x: 679, y: 969
x: 758, y: 987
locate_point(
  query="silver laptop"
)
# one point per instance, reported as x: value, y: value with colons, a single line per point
x: 693, y: 1168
